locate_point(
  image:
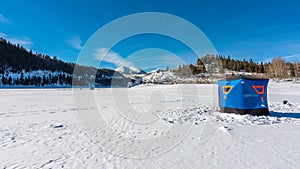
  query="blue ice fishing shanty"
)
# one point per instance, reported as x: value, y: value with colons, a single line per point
x: 243, y: 95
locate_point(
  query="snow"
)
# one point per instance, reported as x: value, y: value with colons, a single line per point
x: 159, y: 77
x: 129, y: 70
x: 167, y: 77
x: 41, y: 128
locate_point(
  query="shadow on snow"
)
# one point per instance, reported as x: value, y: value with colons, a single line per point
x: 281, y: 114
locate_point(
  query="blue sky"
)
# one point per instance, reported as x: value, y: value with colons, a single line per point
x: 253, y: 29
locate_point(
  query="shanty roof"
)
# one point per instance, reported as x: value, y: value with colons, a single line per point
x: 249, y: 77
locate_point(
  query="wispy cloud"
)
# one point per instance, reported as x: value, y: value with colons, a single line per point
x: 106, y: 55
x: 292, y: 58
x: 297, y: 56
x: 2, y: 34
x: 264, y: 50
x: 75, y: 42
x: 23, y: 40
x: 3, y: 19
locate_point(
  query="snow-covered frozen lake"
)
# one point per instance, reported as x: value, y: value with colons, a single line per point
x: 154, y: 126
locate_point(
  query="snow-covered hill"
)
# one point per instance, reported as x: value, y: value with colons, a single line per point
x: 129, y: 70
x: 167, y: 77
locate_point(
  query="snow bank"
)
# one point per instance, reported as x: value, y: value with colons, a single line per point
x: 209, y: 113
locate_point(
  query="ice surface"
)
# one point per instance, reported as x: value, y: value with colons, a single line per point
x: 40, y: 129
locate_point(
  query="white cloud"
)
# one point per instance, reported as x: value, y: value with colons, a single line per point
x: 75, y: 42
x: 3, y: 19
x: 292, y: 58
x: 23, y: 41
x: 106, y: 55
x: 2, y: 34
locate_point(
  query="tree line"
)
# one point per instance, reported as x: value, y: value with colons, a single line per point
x: 35, y: 80
x: 17, y: 58
x: 19, y: 66
x: 277, y: 68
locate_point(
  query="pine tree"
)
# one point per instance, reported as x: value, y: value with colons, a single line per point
x: 69, y: 80
x: 26, y: 81
x: 9, y: 82
x: 234, y: 67
x: 245, y: 63
x: 251, y: 66
x: 256, y: 68
x: 34, y: 81
x: 261, y: 68
x: 22, y: 79
x: 3, y: 80
x: 238, y: 66
x: 292, y: 74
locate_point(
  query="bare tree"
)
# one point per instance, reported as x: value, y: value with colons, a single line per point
x: 297, y: 69
x: 278, y: 67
